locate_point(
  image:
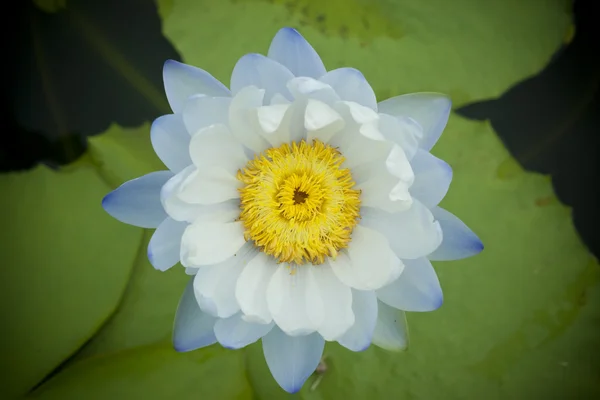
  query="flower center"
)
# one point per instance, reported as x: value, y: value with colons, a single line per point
x: 297, y: 204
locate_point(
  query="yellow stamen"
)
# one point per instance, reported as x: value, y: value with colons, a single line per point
x: 297, y: 203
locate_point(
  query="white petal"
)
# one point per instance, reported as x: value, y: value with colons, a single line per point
x: 207, y: 243
x: 242, y: 118
x: 351, y: 85
x: 417, y: 288
x: 413, y: 233
x: 210, y: 185
x: 458, y: 242
x: 309, y: 88
x: 432, y: 178
x: 262, y: 72
x: 182, y: 81
x: 294, y: 300
x: 364, y: 306
x: 403, y: 131
x: 214, y: 285
x: 337, y: 302
x: 201, y: 111
x: 165, y: 244
x: 292, y: 360
x: 251, y: 288
x: 270, y: 119
x: 430, y: 110
x: 293, y: 51
x: 216, y: 146
x: 235, y: 333
x: 191, y: 271
x: 368, y: 262
x: 180, y: 210
x: 391, y: 330
x: 170, y: 141
x: 193, y: 329
x: 279, y: 99
x: 137, y: 202
x: 321, y: 121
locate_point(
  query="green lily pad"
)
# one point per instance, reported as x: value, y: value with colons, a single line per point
x: 154, y: 372
x: 66, y: 265
x: 469, y: 50
x: 121, y: 154
x: 519, y: 320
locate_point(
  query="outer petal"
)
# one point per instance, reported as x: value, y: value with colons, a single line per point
x: 201, y: 111
x: 391, y: 330
x: 210, y: 185
x: 165, y: 244
x: 294, y: 300
x: 403, y: 131
x: 430, y: 110
x: 432, y: 178
x: 235, y: 333
x: 417, y: 288
x: 359, y: 336
x: 242, y: 118
x: 262, y: 72
x: 303, y: 87
x: 293, y: 51
x: 214, y: 285
x: 207, y: 243
x: 337, y: 302
x: 292, y: 360
x: 171, y: 141
x: 459, y: 241
x: 193, y: 329
x: 413, y: 233
x: 368, y: 262
x: 137, y: 202
x: 351, y: 85
x: 182, y: 81
x: 251, y: 288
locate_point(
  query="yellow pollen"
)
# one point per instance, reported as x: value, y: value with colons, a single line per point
x: 298, y: 204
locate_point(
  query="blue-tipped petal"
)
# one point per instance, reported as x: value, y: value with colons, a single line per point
x: 292, y: 359
x: 202, y: 111
x: 165, y: 244
x: 137, y: 202
x: 417, y: 288
x: 263, y: 73
x: 364, y: 306
x: 391, y: 330
x: 458, y: 240
x: 182, y: 81
x: 171, y: 142
x: 235, y: 333
x: 430, y: 110
x: 193, y: 329
x: 351, y: 85
x: 291, y: 50
x: 432, y: 178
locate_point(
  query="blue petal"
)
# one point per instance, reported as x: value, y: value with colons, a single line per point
x: 182, y: 81
x: 292, y: 359
x: 235, y: 333
x: 137, y: 202
x: 458, y: 240
x: 164, y: 246
x: 351, y: 85
x: 417, y: 288
x: 430, y: 110
x: 391, y: 331
x: 193, y: 329
x: 291, y: 50
x: 432, y: 178
x: 171, y: 141
x: 262, y: 72
x: 364, y: 306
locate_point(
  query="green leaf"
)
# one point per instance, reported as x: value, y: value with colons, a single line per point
x: 66, y: 265
x: 121, y: 154
x: 155, y: 372
x: 469, y: 50
x: 518, y: 321
x: 147, y: 311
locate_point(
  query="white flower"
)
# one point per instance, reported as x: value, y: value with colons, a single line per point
x: 306, y: 210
